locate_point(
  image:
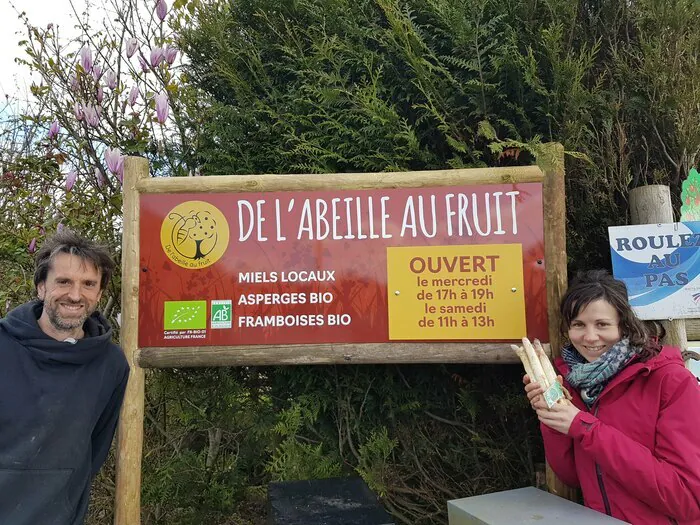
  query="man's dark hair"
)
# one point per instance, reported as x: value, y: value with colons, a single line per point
x: 68, y: 242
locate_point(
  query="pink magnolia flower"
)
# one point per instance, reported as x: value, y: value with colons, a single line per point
x: 133, y: 95
x: 74, y: 84
x: 162, y: 108
x: 99, y: 178
x: 115, y: 162
x: 96, y: 72
x: 32, y: 246
x: 170, y: 53
x: 161, y: 9
x: 92, y: 118
x: 54, y: 129
x: 78, y: 111
x: 100, y: 95
x: 86, y: 58
x: 70, y: 179
x: 157, y: 56
x: 131, y: 46
x: 111, y: 79
x: 143, y: 64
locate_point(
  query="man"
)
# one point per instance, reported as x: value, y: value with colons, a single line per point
x: 62, y: 382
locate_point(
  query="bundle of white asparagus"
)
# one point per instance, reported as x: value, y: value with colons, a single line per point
x: 539, y: 369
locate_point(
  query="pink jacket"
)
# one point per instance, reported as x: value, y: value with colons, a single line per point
x: 636, y: 453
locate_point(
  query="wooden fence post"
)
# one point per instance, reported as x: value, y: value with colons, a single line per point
x: 127, y: 505
x: 554, y: 198
x: 652, y: 205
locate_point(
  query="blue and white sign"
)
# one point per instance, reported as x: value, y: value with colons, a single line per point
x: 660, y: 264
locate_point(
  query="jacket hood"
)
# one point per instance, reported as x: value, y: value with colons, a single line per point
x: 21, y: 324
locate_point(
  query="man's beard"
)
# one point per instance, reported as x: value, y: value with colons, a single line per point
x: 62, y: 324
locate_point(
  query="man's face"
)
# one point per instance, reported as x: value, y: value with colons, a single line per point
x: 70, y: 293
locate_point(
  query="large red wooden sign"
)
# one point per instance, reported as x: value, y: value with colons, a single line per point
x: 449, y: 263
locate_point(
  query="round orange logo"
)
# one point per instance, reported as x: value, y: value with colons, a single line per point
x: 194, y: 234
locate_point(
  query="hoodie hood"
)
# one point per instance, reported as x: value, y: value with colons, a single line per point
x: 21, y: 324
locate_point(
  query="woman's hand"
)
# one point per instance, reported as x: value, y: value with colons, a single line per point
x: 559, y: 417
x: 534, y: 394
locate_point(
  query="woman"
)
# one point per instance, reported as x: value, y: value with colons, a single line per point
x: 631, y: 438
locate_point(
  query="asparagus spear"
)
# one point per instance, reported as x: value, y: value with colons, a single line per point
x: 524, y: 360
x: 535, y: 364
x: 545, y: 362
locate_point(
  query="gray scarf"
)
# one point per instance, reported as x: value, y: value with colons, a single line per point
x: 591, y: 378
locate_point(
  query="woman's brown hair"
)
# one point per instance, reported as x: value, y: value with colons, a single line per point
x: 598, y: 284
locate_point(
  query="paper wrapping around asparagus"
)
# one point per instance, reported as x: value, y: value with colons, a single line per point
x: 539, y: 368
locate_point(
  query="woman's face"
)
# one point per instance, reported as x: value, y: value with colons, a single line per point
x: 595, y: 329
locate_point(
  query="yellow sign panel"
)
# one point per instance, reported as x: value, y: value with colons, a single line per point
x: 456, y: 292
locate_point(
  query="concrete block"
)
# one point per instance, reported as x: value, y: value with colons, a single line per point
x: 520, y: 507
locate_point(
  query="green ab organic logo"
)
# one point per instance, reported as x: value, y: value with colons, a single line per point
x: 221, y: 314
x: 185, y: 315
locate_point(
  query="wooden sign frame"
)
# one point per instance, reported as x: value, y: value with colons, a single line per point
x: 137, y: 182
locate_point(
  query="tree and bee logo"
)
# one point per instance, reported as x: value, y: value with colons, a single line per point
x: 194, y: 234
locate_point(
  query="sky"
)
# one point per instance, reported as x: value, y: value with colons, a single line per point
x: 14, y: 78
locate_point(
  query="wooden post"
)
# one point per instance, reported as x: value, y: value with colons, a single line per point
x: 127, y: 506
x: 692, y: 329
x: 554, y: 198
x: 652, y: 205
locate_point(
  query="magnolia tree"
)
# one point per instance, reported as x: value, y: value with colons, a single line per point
x: 113, y: 90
